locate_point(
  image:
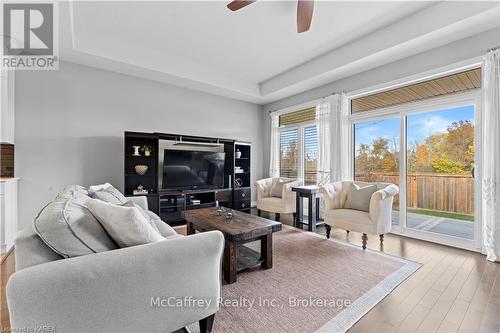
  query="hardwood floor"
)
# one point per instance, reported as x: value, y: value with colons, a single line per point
x: 7, y: 268
x: 454, y: 291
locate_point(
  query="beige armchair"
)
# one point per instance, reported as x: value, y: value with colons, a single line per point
x: 274, y: 204
x: 377, y: 221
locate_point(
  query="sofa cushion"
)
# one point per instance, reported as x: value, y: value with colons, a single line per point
x: 69, y: 228
x: 271, y: 204
x: 106, y: 192
x: 352, y: 220
x: 358, y: 197
x: 277, y: 186
x: 156, y: 222
x: 164, y: 229
x: 126, y: 225
x: 31, y: 249
x: 143, y: 213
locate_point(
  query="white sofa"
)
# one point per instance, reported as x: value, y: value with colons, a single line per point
x: 375, y: 222
x: 284, y: 205
x: 121, y: 290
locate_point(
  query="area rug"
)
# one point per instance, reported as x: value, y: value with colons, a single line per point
x: 315, y: 284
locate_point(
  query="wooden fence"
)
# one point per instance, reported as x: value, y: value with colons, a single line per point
x: 451, y: 193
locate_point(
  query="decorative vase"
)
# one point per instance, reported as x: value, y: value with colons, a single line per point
x: 238, y: 182
x: 136, y: 150
x: 141, y: 169
x: 238, y: 153
x: 147, y: 153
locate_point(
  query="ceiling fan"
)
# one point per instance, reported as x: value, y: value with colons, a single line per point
x: 304, y: 11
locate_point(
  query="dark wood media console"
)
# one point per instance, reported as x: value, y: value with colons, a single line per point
x: 170, y: 204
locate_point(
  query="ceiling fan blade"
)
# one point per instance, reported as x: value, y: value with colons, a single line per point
x: 305, y: 10
x: 238, y: 4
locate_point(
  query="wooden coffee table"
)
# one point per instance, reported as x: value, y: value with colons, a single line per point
x: 242, y: 228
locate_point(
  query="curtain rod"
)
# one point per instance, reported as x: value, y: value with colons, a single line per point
x: 493, y: 48
x: 333, y: 93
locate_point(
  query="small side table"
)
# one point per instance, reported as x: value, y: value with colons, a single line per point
x: 312, y: 194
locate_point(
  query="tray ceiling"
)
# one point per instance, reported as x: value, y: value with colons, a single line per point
x: 255, y: 54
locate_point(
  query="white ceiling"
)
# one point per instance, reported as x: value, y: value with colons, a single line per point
x: 255, y: 54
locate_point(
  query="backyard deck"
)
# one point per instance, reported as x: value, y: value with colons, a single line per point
x: 440, y: 225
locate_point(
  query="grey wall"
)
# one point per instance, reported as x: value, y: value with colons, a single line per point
x: 464, y: 49
x: 70, y: 124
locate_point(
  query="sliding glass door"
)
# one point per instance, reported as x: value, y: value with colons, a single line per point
x: 376, y: 156
x: 440, y: 172
x: 436, y: 176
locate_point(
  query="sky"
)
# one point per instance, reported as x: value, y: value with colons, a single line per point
x: 419, y: 126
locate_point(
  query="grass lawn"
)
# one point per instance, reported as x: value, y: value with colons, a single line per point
x: 438, y: 213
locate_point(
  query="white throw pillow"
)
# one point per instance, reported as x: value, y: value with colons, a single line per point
x: 143, y: 212
x: 106, y: 192
x: 277, y: 186
x: 358, y: 197
x: 126, y: 225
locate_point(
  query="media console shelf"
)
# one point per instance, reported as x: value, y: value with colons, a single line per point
x: 242, y: 180
x: 170, y: 204
x: 174, y: 203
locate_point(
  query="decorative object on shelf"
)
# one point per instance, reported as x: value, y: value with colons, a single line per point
x: 140, y: 190
x: 136, y: 150
x: 141, y: 169
x: 238, y: 169
x: 238, y: 182
x: 238, y: 153
x: 146, y: 149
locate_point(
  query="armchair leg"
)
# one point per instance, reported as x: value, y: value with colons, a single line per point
x: 294, y: 218
x: 259, y: 212
x: 206, y: 324
x: 328, y: 230
x: 277, y: 217
x: 364, y: 238
x: 381, y: 238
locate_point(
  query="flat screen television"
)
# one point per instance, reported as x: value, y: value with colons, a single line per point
x: 189, y: 169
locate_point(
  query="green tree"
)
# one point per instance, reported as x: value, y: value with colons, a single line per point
x: 388, y: 163
x: 459, y: 143
x: 443, y: 164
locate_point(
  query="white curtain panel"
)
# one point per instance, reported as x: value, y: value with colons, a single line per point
x: 339, y: 145
x: 490, y: 168
x: 274, y: 165
x: 323, y: 126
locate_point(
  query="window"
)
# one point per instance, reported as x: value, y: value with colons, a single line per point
x: 450, y: 84
x: 289, y: 153
x: 376, y: 154
x: 298, y: 117
x: 310, y: 155
x: 426, y: 147
x: 299, y: 145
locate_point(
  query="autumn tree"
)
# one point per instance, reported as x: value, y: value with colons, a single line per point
x: 451, y: 152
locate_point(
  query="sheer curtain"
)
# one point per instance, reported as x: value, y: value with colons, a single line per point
x: 274, y: 164
x: 339, y: 138
x: 323, y: 125
x: 333, y: 139
x: 490, y: 168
